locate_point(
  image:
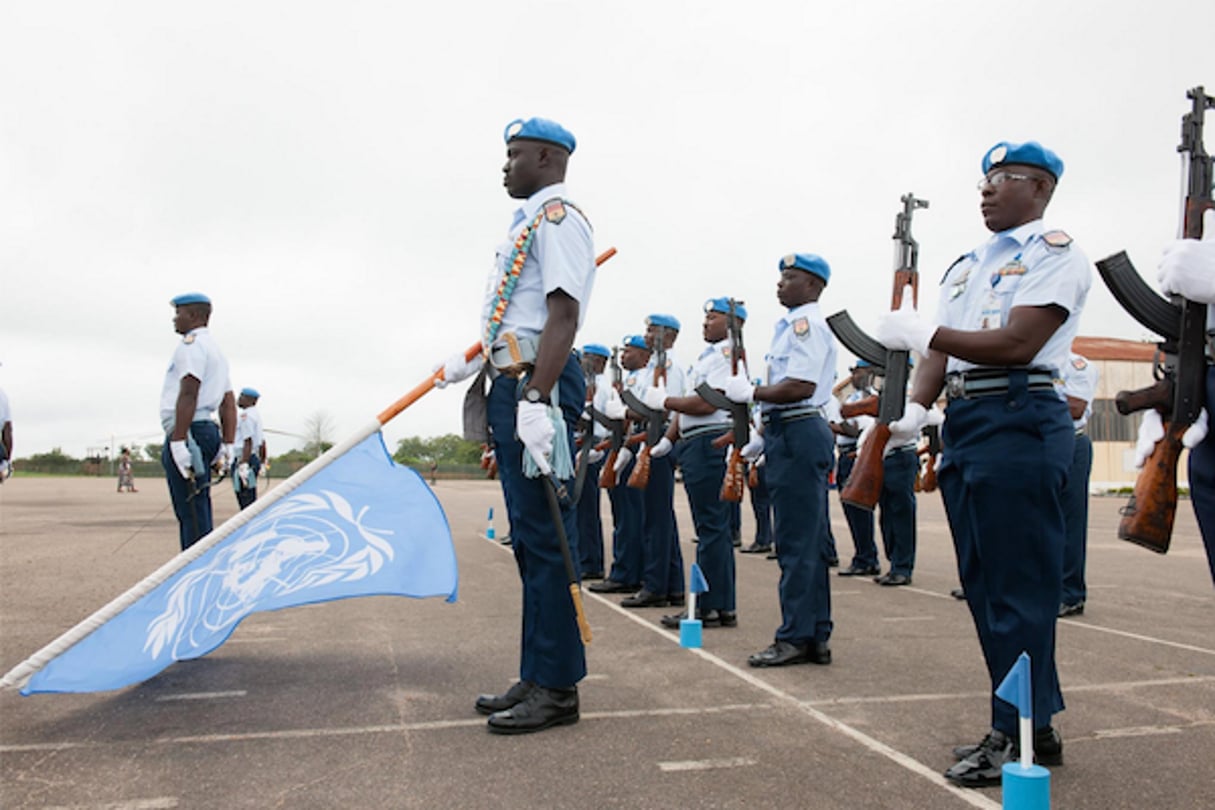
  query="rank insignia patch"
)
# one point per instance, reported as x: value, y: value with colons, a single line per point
x: 554, y: 211
x: 1079, y: 363
x: 1057, y: 239
x: 801, y: 327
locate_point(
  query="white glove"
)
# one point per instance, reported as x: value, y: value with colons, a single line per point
x: 906, y: 428
x: 1196, y: 432
x: 224, y: 458
x: 662, y: 448
x: 904, y: 329
x: 754, y: 448
x: 1188, y: 266
x: 535, y: 430
x: 655, y: 398
x: 1151, y: 430
x: 739, y: 389
x: 180, y: 454
x: 594, y: 456
x: 6, y: 469
x: 244, y: 472
x: 456, y: 368
x: 936, y: 417
x: 622, y: 459
x: 762, y: 460
x: 613, y: 407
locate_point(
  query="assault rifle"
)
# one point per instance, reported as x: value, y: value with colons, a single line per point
x: 655, y: 420
x: 735, y: 481
x: 864, y: 485
x: 1147, y: 518
x: 926, y: 478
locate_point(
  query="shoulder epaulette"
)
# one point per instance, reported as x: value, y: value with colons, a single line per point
x: 1057, y: 239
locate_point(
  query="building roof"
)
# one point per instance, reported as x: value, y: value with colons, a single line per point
x: 1107, y: 348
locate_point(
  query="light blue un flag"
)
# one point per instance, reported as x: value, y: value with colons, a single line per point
x: 361, y: 526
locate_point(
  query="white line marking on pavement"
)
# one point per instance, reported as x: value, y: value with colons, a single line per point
x: 202, y: 695
x: 161, y: 803
x: 257, y: 640
x: 874, y: 745
x: 910, y: 618
x: 1141, y: 731
x: 705, y: 764
x: 1092, y: 687
x: 431, y: 725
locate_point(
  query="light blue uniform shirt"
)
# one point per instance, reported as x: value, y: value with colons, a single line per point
x: 712, y: 367
x: 677, y: 375
x: 198, y: 356
x: 561, y: 257
x: 802, y: 348
x: 1016, y: 268
x: 1080, y: 378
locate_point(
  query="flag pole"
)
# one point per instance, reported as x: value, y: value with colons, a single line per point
x: 20, y: 674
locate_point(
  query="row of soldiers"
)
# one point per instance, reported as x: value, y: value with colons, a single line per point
x: 1007, y: 316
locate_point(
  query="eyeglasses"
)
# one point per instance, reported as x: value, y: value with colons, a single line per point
x: 999, y: 178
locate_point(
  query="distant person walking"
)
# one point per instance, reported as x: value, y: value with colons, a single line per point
x: 6, y: 437
x: 126, y: 478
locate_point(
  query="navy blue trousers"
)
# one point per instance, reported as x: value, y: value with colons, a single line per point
x: 663, y: 572
x: 1001, y: 477
x: 628, y: 509
x: 897, y: 502
x: 590, y: 524
x: 192, y: 500
x: 761, y: 507
x: 551, y: 654
x: 1202, y: 477
x: 704, y: 467
x: 860, y: 521
x: 1075, y: 519
x: 799, y: 455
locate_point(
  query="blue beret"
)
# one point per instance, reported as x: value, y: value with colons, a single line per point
x: 808, y: 262
x: 722, y: 305
x: 597, y: 349
x: 540, y: 129
x: 190, y: 298
x: 1030, y: 153
x: 863, y: 364
x: 665, y: 321
x: 635, y: 341
x: 250, y: 392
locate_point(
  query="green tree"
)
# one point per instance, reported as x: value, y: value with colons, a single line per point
x: 152, y: 451
x: 447, y: 449
x: 319, y: 432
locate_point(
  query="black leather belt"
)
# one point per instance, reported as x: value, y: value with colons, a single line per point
x: 791, y: 414
x: 991, y: 382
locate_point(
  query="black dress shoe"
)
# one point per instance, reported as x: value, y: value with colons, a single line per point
x: 783, y: 653
x: 612, y: 586
x: 1048, y: 747
x: 592, y: 575
x: 677, y: 600
x: 1074, y: 609
x: 542, y: 708
x: 892, y: 579
x: 708, y: 618
x: 833, y: 562
x: 644, y: 598
x: 958, y: 593
x: 858, y: 571
x: 983, y: 765
x: 488, y: 704
x: 756, y: 548
x: 771, y: 555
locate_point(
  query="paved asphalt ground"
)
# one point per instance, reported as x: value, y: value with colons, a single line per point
x: 368, y: 702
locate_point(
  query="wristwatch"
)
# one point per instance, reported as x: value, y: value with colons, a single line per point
x: 534, y: 394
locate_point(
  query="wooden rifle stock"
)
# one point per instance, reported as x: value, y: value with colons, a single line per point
x: 607, y: 476
x: 862, y: 407
x: 926, y: 478
x: 1158, y: 396
x: 864, y: 485
x: 1147, y: 518
x: 735, y: 481
x: 640, y: 477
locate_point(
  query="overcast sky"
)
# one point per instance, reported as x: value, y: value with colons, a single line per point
x: 330, y: 174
